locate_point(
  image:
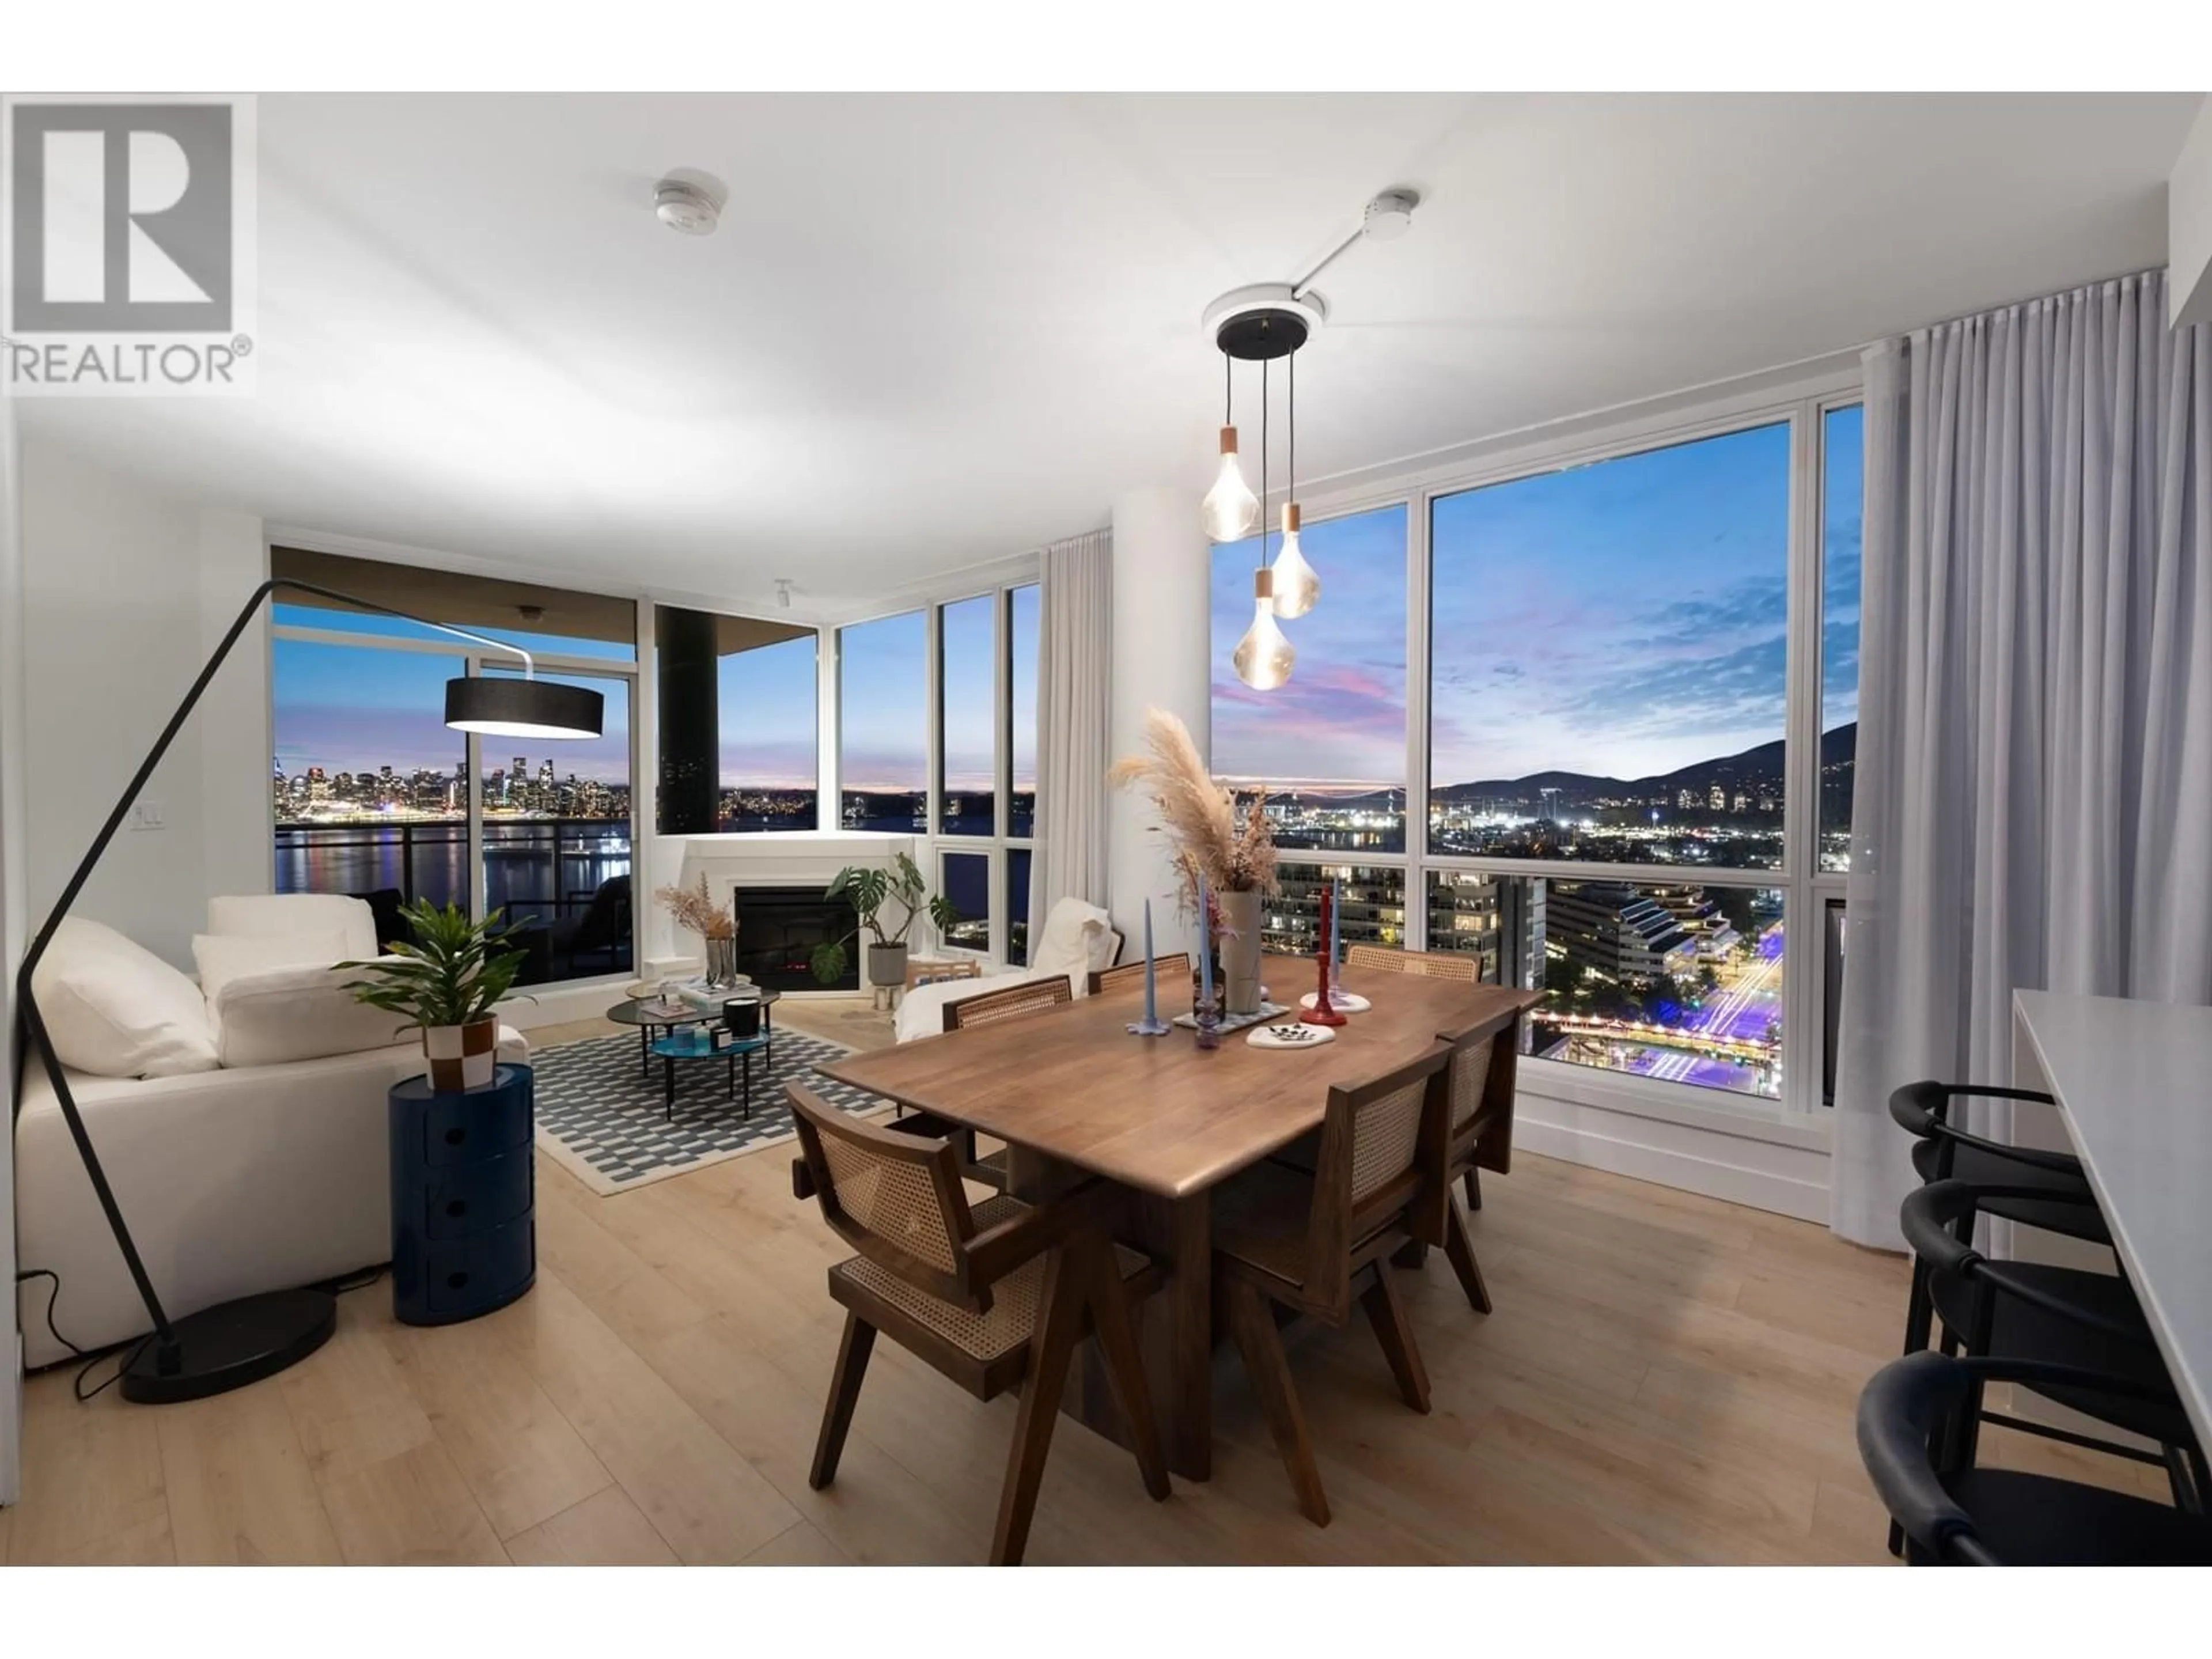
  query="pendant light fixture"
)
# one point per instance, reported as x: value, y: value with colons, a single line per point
x: 1259, y: 324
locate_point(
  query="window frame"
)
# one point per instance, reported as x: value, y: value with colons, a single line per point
x: 1799, y: 1116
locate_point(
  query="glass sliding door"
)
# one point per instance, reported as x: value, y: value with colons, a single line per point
x: 370, y: 787
x: 556, y: 840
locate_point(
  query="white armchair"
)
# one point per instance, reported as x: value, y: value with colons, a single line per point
x: 1076, y: 940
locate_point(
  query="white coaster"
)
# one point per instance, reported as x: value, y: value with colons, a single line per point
x: 1345, y: 1002
x: 1291, y: 1036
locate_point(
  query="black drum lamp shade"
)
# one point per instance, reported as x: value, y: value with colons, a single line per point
x: 500, y: 706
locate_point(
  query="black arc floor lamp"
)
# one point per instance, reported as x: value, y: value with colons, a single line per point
x: 234, y: 1343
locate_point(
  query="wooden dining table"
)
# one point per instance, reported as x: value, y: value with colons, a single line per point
x: 1072, y: 1093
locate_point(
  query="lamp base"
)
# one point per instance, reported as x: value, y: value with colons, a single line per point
x: 231, y: 1345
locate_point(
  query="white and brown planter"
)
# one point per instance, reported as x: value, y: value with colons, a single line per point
x: 461, y: 1056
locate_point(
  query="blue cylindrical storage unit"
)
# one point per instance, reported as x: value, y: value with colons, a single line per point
x: 463, y: 1237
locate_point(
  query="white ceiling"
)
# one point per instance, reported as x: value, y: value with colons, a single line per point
x: 933, y: 330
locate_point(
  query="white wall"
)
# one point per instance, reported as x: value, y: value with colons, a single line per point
x: 2189, y: 226
x: 11, y: 923
x: 124, y: 589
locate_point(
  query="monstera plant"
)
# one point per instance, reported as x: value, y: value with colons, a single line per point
x: 872, y: 890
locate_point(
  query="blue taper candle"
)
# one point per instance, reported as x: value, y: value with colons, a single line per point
x: 1152, y: 1007
x: 1336, y: 925
x: 1205, y: 945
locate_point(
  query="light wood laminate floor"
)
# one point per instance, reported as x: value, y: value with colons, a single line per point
x: 1667, y: 1378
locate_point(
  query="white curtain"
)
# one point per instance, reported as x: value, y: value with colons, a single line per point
x: 1075, y: 643
x: 2032, y: 804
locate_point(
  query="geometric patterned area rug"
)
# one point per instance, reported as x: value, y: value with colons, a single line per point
x: 600, y: 1117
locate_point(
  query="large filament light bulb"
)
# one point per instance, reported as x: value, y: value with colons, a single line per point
x: 1297, y: 586
x: 1263, y: 658
x: 1230, y: 509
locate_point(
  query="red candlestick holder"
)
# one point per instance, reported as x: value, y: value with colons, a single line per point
x: 1324, y: 1013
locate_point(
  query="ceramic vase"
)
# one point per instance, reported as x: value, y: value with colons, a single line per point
x: 1240, y: 952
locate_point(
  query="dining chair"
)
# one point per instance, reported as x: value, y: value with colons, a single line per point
x: 984, y: 1008
x: 1174, y: 971
x: 1031, y: 996
x: 1955, y: 1514
x: 1285, y: 1238
x: 2043, y: 1314
x: 1480, y: 1085
x: 1434, y: 964
x: 992, y: 1297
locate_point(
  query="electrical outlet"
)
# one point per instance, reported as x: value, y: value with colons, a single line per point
x: 146, y: 815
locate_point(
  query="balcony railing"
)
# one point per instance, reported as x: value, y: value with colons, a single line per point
x: 564, y: 883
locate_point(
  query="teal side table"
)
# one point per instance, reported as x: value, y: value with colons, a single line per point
x: 464, y: 1190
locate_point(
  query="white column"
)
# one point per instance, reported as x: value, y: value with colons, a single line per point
x: 1162, y: 565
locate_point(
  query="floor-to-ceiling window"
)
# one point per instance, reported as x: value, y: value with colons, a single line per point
x: 739, y: 707
x: 1609, y: 685
x: 374, y: 795
x: 883, y: 724
x: 1628, y: 750
x: 981, y: 663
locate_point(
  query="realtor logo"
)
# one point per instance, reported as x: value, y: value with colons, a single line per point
x: 129, y: 228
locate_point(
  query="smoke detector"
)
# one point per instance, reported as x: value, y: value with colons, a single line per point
x: 683, y: 205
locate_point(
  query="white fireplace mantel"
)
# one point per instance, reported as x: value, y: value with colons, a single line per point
x: 809, y: 858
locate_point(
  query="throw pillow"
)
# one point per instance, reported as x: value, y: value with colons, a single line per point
x: 114, y: 1009
x: 282, y: 1014
x: 226, y: 956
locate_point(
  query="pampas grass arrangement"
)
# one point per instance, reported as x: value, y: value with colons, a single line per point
x: 694, y: 908
x: 1231, y: 848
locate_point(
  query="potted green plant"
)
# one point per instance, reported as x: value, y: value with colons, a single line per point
x: 869, y: 890
x: 447, y: 982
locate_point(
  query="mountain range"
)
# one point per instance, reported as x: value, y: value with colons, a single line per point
x: 1753, y: 769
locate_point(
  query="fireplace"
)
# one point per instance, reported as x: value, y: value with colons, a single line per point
x: 778, y: 928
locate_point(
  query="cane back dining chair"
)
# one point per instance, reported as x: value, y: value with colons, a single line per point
x: 985, y: 1008
x: 991, y: 1296
x: 1174, y: 972
x: 1031, y: 996
x: 1479, y: 1080
x: 1301, y: 1240
x: 1433, y: 965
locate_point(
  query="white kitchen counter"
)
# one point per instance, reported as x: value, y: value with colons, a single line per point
x: 2134, y: 1085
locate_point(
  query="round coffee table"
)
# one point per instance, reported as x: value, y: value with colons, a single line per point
x: 652, y: 1025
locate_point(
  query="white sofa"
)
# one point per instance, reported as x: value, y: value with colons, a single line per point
x: 1077, y: 940
x: 233, y: 1178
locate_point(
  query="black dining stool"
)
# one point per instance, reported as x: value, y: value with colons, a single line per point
x: 1942, y: 1151
x: 2041, y: 1314
x: 1955, y: 1514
